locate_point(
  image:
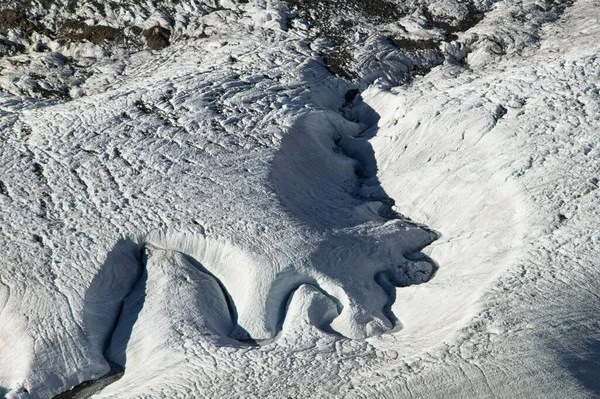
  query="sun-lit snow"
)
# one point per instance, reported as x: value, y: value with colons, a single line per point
x: 227, y: 218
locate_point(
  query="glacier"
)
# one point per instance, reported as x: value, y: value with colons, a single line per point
x: 283, y: 199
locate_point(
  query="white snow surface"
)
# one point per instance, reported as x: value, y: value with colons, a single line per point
x: 217, y: 219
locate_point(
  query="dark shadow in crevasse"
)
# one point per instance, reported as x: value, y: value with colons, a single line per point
x: 584, y: 365
x: 325, y: 172
x: 119, y: 274
x: 116, y: 349
x: 325, y: 175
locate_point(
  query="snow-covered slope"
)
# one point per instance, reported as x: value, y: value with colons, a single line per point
x: 216, y: 213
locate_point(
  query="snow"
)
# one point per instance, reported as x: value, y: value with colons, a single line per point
x: 222, y: 218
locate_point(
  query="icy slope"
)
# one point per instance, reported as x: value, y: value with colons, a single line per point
x: 505, y: 163
x: 132, y: 162
x: 224, y: 217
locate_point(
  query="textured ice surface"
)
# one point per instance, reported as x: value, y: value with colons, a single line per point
x: 227, y: 218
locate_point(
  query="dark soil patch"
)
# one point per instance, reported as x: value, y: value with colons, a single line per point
x: 61, y: 93
x: 419, y: 70
x: 449, y: 25
x: 411, y: 45
x: 136, y: 30
x: 339, y: 63
x: 77, y: 31
x: 157, y: 38
x: 11, y: 19
x: 338, y: 21
x: 88, y: 388
x: 378, y: 11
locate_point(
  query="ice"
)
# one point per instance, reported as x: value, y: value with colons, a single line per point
x: 226, y: 217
